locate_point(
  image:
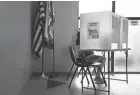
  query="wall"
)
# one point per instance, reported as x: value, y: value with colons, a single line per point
x: 66, y: 15
x: 15, y: 38
x: 66, y: 27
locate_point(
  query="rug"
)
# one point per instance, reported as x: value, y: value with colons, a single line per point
x: 52, y: 83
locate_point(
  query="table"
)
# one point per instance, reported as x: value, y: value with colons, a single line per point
x: 110, y: 58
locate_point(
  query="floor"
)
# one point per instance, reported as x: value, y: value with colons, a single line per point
x: 36, y: 86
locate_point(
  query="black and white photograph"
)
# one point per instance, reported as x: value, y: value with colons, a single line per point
x: 77, y: 47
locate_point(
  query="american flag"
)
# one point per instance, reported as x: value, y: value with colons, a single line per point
x: 43, y: 30
x: 49, y: 34
x: 38, y: 31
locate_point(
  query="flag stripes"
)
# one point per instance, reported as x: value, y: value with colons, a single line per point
x: 38, y: 31
x: 43, y: 31
x: 40, y: 16
x: 37, y: 37
x: 51, y: 21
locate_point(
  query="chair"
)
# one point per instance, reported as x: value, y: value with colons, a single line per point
x: 91, y: 64
x: 78, y: 59
x: 96, y: 65
x: 80, y: 63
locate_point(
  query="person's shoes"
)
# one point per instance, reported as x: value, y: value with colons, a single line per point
x: 99, y: 80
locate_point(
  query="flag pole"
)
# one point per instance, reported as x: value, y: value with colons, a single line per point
x: 43, y: 74
x: 53, y: 58
x: 42, y: 43
x: 53, y: 74
x: 51, y: 83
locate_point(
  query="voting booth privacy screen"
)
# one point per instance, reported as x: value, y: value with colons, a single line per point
x: 103, y: 30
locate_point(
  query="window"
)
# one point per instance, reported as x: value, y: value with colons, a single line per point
x: 128, y: 8
x: 94, y: 6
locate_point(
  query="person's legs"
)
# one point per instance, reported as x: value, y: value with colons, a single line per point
x: 100, y: 59
x: 98, y: 78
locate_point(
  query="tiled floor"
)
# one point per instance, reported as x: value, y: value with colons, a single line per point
x: 37, y: 86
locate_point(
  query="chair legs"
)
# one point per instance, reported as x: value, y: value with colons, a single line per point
x: 85, y: 74
x: 85, y: 71
x: 91, y: 79
x: 79, y: 72
x: 87, y: 78
x: 94, y: 70
x: 82, y: 77
x: 73, y: 77
x: 95, y: 73
x: 70, y: 71
x: 102, y: 76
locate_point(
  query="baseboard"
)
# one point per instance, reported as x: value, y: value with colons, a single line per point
x: 36, y: 74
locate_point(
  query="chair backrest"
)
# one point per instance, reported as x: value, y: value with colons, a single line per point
x: 72, y: 54
x: 76, y: 62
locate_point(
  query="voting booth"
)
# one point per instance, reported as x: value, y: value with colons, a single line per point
x: 124, y: 33
x: 103, y: 30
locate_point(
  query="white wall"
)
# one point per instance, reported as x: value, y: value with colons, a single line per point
x: 15, y: 46
x: 66, y: 27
